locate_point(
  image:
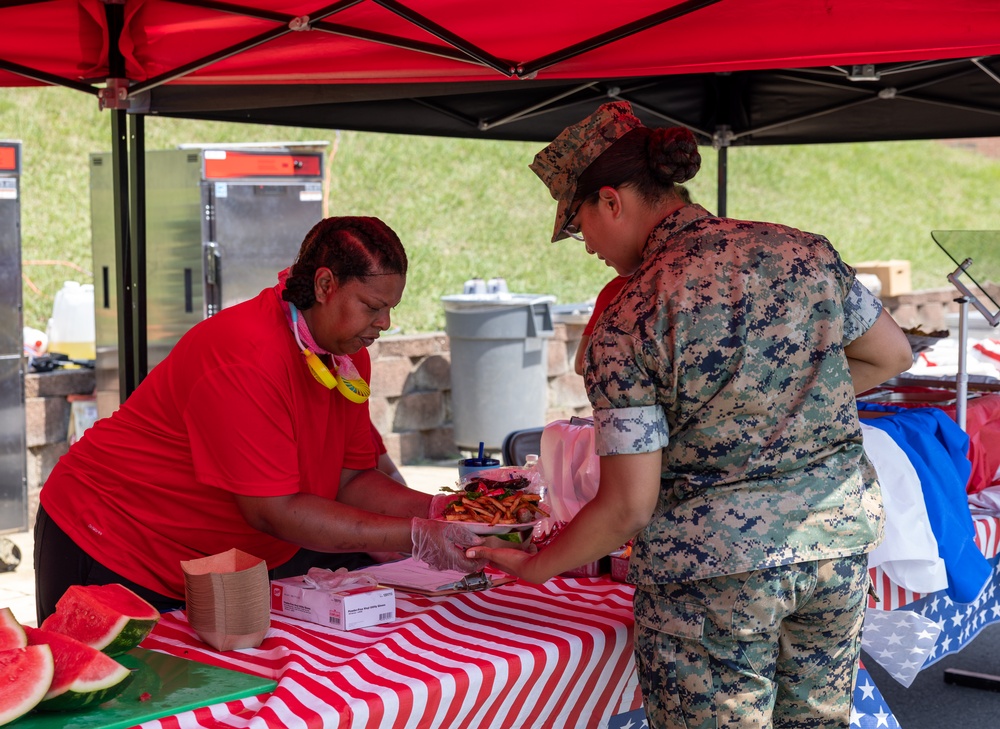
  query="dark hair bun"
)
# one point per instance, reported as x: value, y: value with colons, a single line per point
x: 673, y: 154
x: 299, y: 291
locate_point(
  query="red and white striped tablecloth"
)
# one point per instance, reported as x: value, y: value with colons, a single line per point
x: 892, y: 596
x: 557, y: 654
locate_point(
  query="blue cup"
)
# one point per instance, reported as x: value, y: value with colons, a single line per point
x: 468, y: 466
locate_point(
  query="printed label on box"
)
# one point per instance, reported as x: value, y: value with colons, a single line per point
x: 348, y: 610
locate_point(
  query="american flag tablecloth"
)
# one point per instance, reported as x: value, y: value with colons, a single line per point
x: 553, y: 655
x: 892, y: 596
x: 959, y: 622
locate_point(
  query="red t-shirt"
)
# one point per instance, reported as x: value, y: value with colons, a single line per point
x: 232, y: 410
x: 609, y: 292
x: 379, y: 443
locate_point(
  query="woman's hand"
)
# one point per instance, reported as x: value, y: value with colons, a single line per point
x: 443, y: 545
x: 624, y: 504
x: 515, y: 562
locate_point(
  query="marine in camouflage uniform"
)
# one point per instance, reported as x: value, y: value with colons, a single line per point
x: 725, y: 351
x: 726, y: 369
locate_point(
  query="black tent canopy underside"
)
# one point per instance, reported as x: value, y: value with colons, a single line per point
x: 929, y: 100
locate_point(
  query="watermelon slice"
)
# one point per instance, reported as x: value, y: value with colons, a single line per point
x: 110, y: 618
x: 84, y: 677
x: 11, y: 633
x: 25, y: 676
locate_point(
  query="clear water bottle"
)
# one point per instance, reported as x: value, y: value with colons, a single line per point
x: 538, y: 486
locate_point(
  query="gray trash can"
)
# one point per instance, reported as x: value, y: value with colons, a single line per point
x: 498, y: 364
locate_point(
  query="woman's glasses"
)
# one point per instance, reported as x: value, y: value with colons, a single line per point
x: 572, y: 229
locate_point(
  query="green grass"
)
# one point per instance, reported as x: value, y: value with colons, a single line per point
x: 467, y: 208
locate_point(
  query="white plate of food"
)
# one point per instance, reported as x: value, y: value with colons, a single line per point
x: 483, y: 529
x: 501, y: 513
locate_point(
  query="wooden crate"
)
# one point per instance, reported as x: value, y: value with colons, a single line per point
x: 894, y: 275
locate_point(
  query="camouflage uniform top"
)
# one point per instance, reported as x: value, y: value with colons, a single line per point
x: 726, y: 351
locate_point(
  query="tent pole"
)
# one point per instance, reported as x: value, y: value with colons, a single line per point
x: 123, y: 255
x: 115, y: 15
x: 722, y: 175
x: 721, y: 140
x: 137, y: 235
x: 128, y: 159
x: 128, y: 163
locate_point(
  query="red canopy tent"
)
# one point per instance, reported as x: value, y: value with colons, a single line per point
x: 734, y: 71
x: 383, y: 41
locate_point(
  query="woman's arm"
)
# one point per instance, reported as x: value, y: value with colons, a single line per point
x: 879, y: 354
x: 372, y: 512
x: 325, y: 525
x: 374, y: 491
x: 387, y: 466
x: 385, y: 523
x: 581, y: 352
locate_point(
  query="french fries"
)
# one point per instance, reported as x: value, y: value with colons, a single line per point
x: 516, y: 508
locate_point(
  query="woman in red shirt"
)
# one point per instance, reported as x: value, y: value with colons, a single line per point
x: 235, y: 441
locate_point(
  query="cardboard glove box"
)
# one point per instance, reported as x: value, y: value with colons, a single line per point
x: 357, y: 607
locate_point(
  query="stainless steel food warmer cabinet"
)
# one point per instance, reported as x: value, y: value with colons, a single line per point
x: 221, y: 221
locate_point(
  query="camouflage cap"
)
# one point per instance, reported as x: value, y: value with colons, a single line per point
x: 561, y: 163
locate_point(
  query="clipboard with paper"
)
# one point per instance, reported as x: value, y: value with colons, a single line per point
x: 410, y: 575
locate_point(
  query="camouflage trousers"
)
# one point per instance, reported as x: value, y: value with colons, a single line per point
x: 777, y: 647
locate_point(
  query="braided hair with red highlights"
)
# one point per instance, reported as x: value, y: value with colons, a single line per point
x: 352, y: 247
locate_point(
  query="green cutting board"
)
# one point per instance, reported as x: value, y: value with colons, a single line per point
x: 173, y: 684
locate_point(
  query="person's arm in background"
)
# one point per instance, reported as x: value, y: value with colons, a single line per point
x: 581, y: 352
x: 879, y: 354
x: 385, y: 463
x: 387, y: 466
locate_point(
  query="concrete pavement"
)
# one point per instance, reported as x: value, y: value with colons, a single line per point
x: 17, y: 588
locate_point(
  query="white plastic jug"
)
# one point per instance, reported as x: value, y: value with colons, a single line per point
x: 71, y: 328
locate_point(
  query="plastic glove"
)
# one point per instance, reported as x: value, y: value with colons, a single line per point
x: 338, y: 581
x: 438, y: 504
x: 442, y: 545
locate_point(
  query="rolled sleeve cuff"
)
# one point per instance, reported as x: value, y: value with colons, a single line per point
x: 630, y: 430
x: 861, y: 310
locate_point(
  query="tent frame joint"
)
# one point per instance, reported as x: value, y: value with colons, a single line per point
x: 114, y: 95
x: 723, y: 137
x: 864, y: 72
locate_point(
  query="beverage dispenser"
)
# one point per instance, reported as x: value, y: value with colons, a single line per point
x: 13, y: 459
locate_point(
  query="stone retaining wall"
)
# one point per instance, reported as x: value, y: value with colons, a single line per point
x: 47, y: 406
x: 924, y: 309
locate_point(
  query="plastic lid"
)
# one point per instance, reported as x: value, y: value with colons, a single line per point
x: 479, y: 462
x: 502, y: 299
